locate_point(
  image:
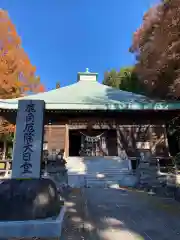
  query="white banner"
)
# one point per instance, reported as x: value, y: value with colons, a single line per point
x: 92, y: 138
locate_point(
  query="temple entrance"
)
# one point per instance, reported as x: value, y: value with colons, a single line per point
x: 93, y: 158
x: 92, y: 144
x: 74, y: 143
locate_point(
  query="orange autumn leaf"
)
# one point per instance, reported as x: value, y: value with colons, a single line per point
x: 17, y: 74
x: 41, y: 88
x: 6, y: 127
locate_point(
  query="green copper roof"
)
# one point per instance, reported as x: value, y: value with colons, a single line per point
x: 91, y: 95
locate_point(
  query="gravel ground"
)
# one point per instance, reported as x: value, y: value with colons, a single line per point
x: 74, y: 227
x: 111, y: 214
x: 118, y: 214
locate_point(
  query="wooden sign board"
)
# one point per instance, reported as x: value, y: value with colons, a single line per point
x: 28, y: 145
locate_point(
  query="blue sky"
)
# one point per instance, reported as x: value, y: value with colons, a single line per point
x: 63, y: 37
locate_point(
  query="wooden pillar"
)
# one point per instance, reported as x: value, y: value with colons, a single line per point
x: 120, y: 149
x: 49, y: 138
x: 66, y: 148
x: 166, y: 139
x: 118, y: 140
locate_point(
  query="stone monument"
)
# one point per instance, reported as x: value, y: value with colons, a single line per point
x: 29, y: 204
x: 27, y: 153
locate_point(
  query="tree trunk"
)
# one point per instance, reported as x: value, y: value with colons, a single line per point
x: 4, y: 149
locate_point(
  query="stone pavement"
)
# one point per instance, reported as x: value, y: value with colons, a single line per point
x: 113, y: 214
x: 118, y: 214
x: 74, y: 227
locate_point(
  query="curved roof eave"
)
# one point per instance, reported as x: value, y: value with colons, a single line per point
x: 91, y: 95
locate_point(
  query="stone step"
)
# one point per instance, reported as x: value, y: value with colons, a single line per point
x: 109, y: 170
x: 101, y: 180
x: 102, y: 184
x: 99, y: 175
x: 105, y: 177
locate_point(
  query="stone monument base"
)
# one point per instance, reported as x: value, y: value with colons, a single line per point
x: 42, y: 228
x: 32, y: 199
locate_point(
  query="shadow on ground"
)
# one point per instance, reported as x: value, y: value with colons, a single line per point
x: 110, y: 214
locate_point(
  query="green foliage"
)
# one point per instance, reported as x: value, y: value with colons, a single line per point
x: 58, y: 85
x: 112, y: 79
x: 126, y: 79
x: 7, y: 137
x: 177, y: 160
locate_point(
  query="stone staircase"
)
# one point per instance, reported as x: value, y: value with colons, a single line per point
x: 106, y: 178
x: 97, y: 171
